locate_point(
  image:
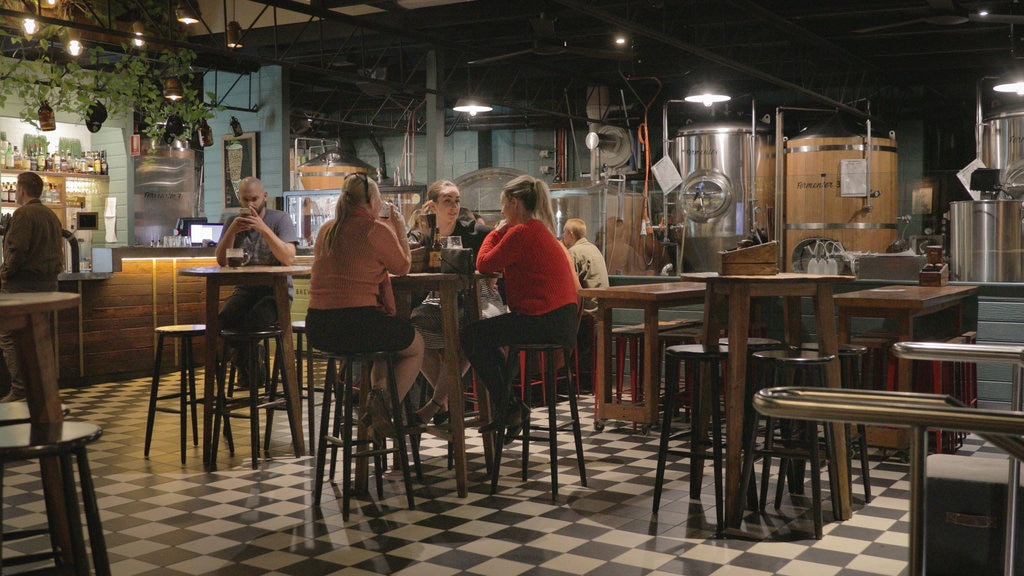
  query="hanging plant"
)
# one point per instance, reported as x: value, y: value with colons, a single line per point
x: 125, y: 82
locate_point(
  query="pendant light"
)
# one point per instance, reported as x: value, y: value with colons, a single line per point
x: 186, y: 13
x: 471, y: 106
x: 74, y: 47
x: 97, y: 116
x: 234, y: 34
x: 236, y: 127
x: 172, y: 88
x: 138, y: 30
x: 1013, y: 87
x: 47, y: 123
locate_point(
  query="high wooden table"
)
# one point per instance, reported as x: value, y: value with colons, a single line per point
x: 27, y: 316
x: 276, y: 276
x: 735, y: 293
x: 903, y: 304
x: 650, y: 298
x: 448, y: 286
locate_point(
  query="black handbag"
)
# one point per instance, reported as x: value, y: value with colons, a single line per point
x: 457, y: 260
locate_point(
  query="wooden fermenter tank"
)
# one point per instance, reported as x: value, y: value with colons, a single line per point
x: 826, y: 196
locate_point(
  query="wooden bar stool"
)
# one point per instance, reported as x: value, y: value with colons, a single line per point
x: 304, y: 353
x: 226, y: 405
x: 795, y: 441
x: 67, y: 442
x: 550, y: 431
x: 186, y: 394
x: 699, y: 362
x: 851, y: 365
x: 341, y: 387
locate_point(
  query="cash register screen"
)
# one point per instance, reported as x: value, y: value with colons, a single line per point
x: 200, y: 231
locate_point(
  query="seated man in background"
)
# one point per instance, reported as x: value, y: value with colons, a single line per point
x: 592, y: 272
x: 268, y: 237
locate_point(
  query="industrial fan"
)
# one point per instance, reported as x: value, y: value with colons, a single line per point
x: 952, y: 13
x: 546, y: 43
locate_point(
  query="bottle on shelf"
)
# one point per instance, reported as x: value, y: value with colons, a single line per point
x: 103, y: 162
x: 9, y: 157
x: 96, y: 167
x: 64, y: 161
x: 40, y: 158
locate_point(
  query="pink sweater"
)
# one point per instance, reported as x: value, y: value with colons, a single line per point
x: 538, y: 275
x: 352, y: 275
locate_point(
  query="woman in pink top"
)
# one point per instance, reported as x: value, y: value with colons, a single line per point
x: 351, y: 307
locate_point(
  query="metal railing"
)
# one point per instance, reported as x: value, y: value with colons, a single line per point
x: 919, y: 412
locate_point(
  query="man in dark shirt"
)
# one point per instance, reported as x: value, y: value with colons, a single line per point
x: 33, y: 257
x: 268, y: 237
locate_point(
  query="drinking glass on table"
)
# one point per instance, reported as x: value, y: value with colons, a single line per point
x: 451, y: 242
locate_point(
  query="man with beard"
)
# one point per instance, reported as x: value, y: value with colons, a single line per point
x: 268, y: 237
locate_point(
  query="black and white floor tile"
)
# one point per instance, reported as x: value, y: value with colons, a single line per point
x: 162, y: 518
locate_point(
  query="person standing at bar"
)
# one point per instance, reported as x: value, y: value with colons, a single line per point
x: 540, y: 286
x: 33, y: 258
x: 268, y: 237
x: 593, y: 273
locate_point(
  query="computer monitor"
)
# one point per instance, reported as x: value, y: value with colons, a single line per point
x: 185, y: 222
x: 205, y: 231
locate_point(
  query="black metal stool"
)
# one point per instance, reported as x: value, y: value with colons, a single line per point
x: 553, y: 426
x: 64, y: 441
x: 186, y: 394
x: 786, y: 368
x: 226, y: 405
x: 341, y: 387
x: 851, y: 366
x: 698, y: 361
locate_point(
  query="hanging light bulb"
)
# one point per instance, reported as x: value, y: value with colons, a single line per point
x: 138, y: 30
x: 51, y: 3
x: 74, y: 46
x: 234, y: 34
x: 186, y: 13
x: 29, y: 25
x: 172, y: 88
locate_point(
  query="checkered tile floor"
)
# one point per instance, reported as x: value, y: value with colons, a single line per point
x: 164, y: 518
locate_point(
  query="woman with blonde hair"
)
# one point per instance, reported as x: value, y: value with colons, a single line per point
x: 540, y: 288
x: 351, y: 306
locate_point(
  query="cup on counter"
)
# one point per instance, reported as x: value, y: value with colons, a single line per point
x: 237, y: 257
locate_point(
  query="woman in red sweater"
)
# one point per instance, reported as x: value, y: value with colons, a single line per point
x: 351, y: 306
x: 540, y: 289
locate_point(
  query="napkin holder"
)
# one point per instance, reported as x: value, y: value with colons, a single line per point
x: 457, y: 260
x: 755, y: 260
x: 935, y: 272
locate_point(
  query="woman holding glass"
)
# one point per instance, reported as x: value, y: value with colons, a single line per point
x: 540, y: 284
x: 351, y: 306
x: 452, y: 223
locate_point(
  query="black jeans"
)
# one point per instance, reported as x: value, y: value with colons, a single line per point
x: 482, y: 341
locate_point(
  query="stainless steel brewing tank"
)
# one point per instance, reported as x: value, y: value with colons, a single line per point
x: 721, y: 172
x: 986, y: 241
x: 1002, y: 146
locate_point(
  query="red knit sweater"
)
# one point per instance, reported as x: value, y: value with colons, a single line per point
x: 538, y: 275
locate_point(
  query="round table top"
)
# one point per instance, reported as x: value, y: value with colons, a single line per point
x: 18, y: 303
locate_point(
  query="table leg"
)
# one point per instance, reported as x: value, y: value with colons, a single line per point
x: 824, y: 313
x: 453, y: 364
x: 604, y: 364
x: 34, y: 342
x: 291, y: 383
x: 210, y: 376
x: 652, y: 366
x: 905, y: 368
x: 735, y: 400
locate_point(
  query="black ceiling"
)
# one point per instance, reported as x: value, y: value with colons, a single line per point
x: 353, y: 73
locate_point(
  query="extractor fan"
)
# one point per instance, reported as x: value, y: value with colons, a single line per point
x: 546, y: 43
x: 953, y: 13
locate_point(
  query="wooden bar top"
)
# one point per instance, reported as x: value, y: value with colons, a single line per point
x: 911, y: 296
x: 644, y: 292
x: 792, y: 277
